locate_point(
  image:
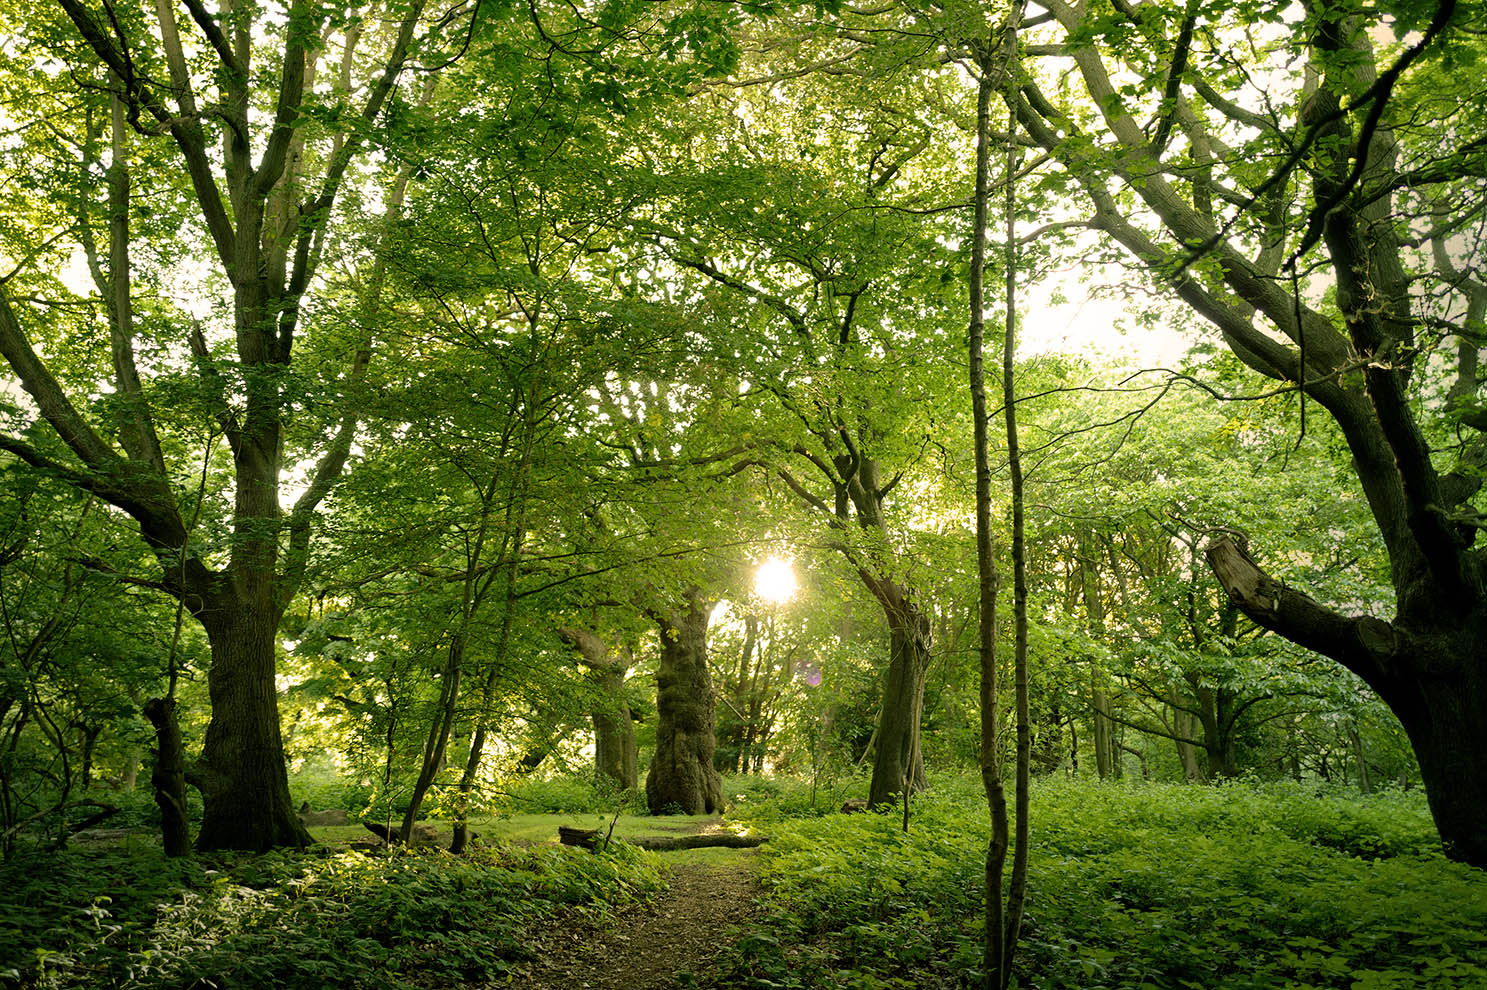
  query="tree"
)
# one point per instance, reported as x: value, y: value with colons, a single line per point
x: 1306, y: 140
x: 682, y: 774
x: 614, y: 724
x: 828, y: 305
x: 265, y: 221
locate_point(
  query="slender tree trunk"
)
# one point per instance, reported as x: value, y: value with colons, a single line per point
x: 130, y: 774
x: 1365, y: 784
x: 1017, y: 887
x: 513, y: 540
x: 1102, y: 727
x: 169, y: 776
x: 996, y: 952
x: 1102, y: 731
x: 437, y: 743
x: 682, y: 775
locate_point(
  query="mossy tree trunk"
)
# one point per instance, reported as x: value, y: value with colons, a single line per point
x: 898, y: 761
x: 682, y: 775
x: 614, y: 724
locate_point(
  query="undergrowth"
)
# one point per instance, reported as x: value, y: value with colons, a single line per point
x: 1132, y: 887
x: 317, y: 919
x: 1145, y: 887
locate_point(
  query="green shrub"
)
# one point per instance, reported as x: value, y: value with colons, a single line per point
x: 570, y: 795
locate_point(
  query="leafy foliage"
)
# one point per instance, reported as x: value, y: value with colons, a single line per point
x: 1152, y: 886
x: 290, y: 920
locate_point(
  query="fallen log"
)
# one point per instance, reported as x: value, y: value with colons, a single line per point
x: 331, y: 816
x: 588, y: 838
x: 423, y: 835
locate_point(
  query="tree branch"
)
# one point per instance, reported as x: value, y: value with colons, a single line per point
x: 1363, y: 644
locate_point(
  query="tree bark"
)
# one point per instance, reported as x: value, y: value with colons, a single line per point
x: 241, y: 773
x: 1102, y: 727
x: 1365, y: 784
x: 1431, y: 678
x: 588, y: 838
x: 1185, y: 727
x: 169, y: 776
x: 682, y: 776
x: 615, y: 753
x: 898, y: 760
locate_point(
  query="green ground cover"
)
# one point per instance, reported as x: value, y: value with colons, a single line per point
x: 1137, y: 887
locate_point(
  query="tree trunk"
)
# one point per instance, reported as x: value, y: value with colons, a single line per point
x: 1364, y: 783
x: 1102, y: 730
x: 1214, y: 705
x: 1186, y: 726
x: 614, y: 729
x: 589, y: 838
x: 1445, y: 718
x: 1431, y: 678
x: 241, y: 774
x: 614, y: 723
x: 682, y: 775
x: 899, y: 758
x: 436, y: 745
x: 169, y: 776
x: 1102, y: 727
x: 130, y: 773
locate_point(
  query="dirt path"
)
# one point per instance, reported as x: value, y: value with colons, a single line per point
x: 686, y: 928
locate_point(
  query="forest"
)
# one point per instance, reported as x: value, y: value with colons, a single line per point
x: 924, y: 494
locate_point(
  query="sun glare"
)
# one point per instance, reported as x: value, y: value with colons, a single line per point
x: 775, y: 581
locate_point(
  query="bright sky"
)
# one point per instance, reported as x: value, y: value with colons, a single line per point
x: 1091, y: 328
x: 775, y: 581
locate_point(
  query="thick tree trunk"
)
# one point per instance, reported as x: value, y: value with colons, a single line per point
x: 241, y: 774
x: 682, y: 775
x: 614, y: 724
x: 899, y: 757
x: 1431, y: 678
x: 1214, y: 714
x: 1445, y: 718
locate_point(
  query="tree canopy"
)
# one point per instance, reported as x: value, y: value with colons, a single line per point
x: 424, y: 384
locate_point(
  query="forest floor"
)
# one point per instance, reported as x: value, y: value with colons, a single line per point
x: 681, y: 932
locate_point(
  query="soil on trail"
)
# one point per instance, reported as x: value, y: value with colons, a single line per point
x: 681, y: 932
